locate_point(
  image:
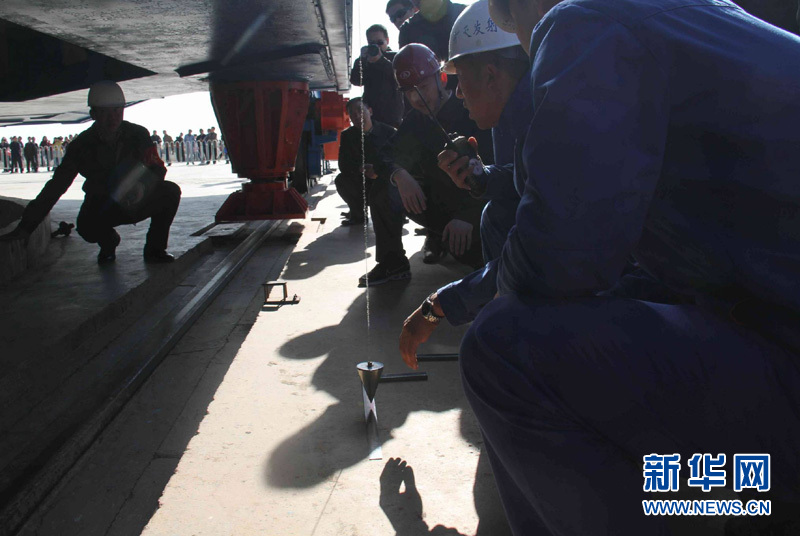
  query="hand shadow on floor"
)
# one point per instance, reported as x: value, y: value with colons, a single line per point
x: 404, y: 509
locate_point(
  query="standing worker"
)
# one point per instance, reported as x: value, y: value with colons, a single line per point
x: 46, y: 150
x: 124, y: 181
x: 373, y: 70
x: 16, y: 153
x: 168, y: 148
x: 4, y: 154
x: 190, y: 146
x: 31, y: 152
x: 211, y: 140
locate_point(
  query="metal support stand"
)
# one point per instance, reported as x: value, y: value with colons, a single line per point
x: 285, y: 301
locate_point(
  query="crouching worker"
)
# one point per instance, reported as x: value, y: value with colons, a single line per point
x: 494, y: 85
x: 124, y: 181
x: 662, y: 129
x: 349, y: 182
x: 416, y: 186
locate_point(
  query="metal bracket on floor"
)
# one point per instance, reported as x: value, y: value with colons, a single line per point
x: 436, y: 357
x: 404, y: 377
x: 285, y: 301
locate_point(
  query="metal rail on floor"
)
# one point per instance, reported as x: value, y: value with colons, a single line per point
x: 150, y: 346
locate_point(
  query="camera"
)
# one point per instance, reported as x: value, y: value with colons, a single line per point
x: 371, y: 50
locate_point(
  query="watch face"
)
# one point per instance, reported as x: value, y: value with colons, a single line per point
x: 427, y: 312
x: 426, y: 308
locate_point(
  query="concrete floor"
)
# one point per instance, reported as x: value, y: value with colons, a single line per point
x: 254, y: 423
x: 51, y: 301
x: 282, y: 449
x: 51, y: 313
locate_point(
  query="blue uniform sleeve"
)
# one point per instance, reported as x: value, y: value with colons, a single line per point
x: 462, y: 300
x: 499, y: 182
x: 592, y: 156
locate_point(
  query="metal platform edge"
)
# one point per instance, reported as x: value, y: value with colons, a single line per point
x: 18, y: 509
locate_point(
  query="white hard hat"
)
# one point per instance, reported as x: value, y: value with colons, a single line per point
x: 106, y: 94
x: 498, y: 9
x: 474, y: 31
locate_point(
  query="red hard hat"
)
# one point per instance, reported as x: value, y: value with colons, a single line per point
x: 413, y: 64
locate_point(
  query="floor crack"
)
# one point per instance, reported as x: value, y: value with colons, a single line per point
x: 324, y: 506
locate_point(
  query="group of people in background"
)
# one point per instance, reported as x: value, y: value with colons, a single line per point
x: 30, y: 156
x: 20, y: 156
x: 204, y: 148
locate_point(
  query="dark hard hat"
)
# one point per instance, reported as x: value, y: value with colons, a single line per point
x: 413, y: 64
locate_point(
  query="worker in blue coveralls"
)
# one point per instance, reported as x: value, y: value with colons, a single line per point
x: 498, y: 97
x: 494, y: 85
x: 665, y: 129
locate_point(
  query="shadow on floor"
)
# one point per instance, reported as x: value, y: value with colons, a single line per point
x: 326, y: 446
x: 404, y: 508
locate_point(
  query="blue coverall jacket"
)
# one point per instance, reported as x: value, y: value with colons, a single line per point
x: 463, y: 299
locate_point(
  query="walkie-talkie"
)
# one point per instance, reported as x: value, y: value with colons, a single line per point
x: 462, y: 146
x: 459, y: 144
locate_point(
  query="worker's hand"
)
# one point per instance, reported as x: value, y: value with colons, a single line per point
x: 458, y: 235
x: 451, y: 163
x: 369, y: 171
x: 17, y: 234
x: 410, y: 192
x: 459, y: 167
x: 416, y: 330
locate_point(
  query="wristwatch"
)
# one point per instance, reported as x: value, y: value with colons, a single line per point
x: 427, y: 311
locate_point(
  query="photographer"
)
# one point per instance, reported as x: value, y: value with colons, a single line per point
x: 380, y: 88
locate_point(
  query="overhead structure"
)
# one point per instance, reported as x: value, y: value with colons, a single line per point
x: 261, y: 59
x: 51, y: 51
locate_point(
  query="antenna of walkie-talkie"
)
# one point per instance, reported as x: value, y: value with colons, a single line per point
x: 459, y: 144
